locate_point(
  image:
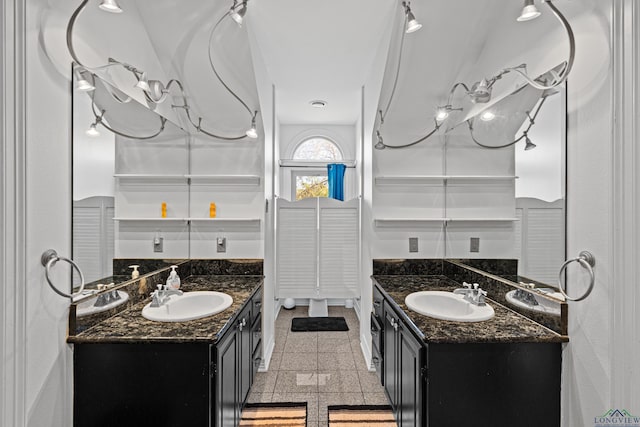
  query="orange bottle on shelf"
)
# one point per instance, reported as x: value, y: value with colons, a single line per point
x: 212, y: 210
x: 164, y: 210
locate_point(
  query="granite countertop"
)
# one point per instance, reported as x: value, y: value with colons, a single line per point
x: 129, y: 325
x: 505, y: 326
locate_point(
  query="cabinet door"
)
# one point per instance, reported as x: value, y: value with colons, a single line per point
x: 389, y: 346
x: 227, y: 381
x: 409, y: 379
x: 245, y: 354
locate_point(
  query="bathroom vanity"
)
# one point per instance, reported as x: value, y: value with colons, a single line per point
x: 132, y: 371
x: 501, y: 372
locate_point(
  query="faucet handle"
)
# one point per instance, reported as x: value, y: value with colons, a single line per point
x: 466, y: 285
x: 160, y: 286
x: 476, y: 286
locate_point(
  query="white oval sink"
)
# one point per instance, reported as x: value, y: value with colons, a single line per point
x: 188, y: 306
x: 447, y: 306
x: 87, y: 307
x: 544, y: 305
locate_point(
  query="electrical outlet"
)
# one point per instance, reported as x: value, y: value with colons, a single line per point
x: 158, y: 244
x: 221, y: 244
x: 413, y: 244
x: 474, y: 244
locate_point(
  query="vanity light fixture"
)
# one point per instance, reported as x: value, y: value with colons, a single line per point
x: 380, y: 144
x: 82, y: 84
x: 92, y: 131
x: 529, y: 145
x: 481, y: 91
x: 412, y: 23
x: 252, y: 132
x: 143, y: 83
x: 442, y: 113
x: 110, y: 6
x: 529, y: 11
x: 487, y: 116
x: 237, y: 12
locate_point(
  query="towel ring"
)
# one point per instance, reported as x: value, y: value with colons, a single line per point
x: 587, y: 260
x: 49, y: 258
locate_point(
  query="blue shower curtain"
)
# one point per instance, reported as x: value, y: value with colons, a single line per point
x: 335, y: 171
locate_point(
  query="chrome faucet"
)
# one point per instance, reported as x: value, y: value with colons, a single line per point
x: 464, y: 290
x: 161, y: 295
x: 476, y: 295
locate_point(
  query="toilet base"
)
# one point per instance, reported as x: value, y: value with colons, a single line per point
x: 318, y: 307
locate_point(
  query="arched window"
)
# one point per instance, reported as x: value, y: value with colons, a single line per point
x: 309, y: 183
x: 318, y: 149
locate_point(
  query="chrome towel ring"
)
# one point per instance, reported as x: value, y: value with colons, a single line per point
x: 588, y: 261
x: 49, y: 258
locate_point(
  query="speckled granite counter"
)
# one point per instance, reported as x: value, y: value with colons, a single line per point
x: 130, y: 326
x: 505, y: 326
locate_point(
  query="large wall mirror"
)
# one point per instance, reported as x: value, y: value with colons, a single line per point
x: 121, y: 150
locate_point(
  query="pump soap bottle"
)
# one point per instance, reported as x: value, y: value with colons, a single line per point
x: 135, y: 273
x: 173, y: 281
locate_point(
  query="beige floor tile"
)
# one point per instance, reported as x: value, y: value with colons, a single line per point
x: 299, y: 362
x: 265, y: 382
x: 301, y: 343
x: 333, y: 334
x: 310, y: 398
x: 334, y: 345
x: 330, y: 399
x: 336, y: 361
x: 338, y: 382
x: 375, y: 399
x: 370, y: 382
x: 297, y: 382
x: 276, y: 358
x: 255, y: 397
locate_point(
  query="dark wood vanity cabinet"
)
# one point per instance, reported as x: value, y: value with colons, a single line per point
x: 510, y: 384
x: 169, y: 384
x: 402, y: 369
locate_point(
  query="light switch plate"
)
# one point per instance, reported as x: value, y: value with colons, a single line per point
x: 221, y: 244
x: 474, y: 245
x: 158, y: 244
x: 413, y: 244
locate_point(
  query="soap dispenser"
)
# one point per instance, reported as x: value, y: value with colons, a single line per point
x: 135, y: 273
x: 173, y: 281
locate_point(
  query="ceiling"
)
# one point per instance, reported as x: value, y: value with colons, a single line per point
x: 324, y: 49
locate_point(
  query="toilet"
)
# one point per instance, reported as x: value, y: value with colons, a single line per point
x: 318, y: 307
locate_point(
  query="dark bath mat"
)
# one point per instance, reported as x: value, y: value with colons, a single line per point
x: 315, y: 324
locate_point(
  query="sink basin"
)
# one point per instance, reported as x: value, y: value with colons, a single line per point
x: 447, y: 306
x: 188, y: 306
x: 544, y: 305
x: 87, y: 307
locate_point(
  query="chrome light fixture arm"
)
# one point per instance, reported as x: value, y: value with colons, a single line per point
x: 532, y: 120
x: 434, y: 130
x: 100, y: 121
x: 568, y: 65
x: 213, y: 67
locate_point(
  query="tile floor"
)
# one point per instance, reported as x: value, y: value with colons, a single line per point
x: 321, y: 368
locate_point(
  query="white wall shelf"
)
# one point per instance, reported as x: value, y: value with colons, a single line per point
x: 151, y: 219
x: 249, y: 180
x: 424, y: 222
x: 439, y: 179
x: 222, y: 221
x: 148, y: 176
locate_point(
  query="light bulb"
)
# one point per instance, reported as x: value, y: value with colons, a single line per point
x: 442, y: 113
x: 237, y: 13
x: 83, y: 85
x: 110, y: 6
x: 143, y: 83
x: 252, y: 133
x: 529, y: 145
x: 487, y: 116
x: 92, y: 131
x: 380, y: 144
x: 412, y: 23
x: 529, y: 11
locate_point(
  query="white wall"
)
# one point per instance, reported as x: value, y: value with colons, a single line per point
x: 37, y: 388
x: 600, y: 362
